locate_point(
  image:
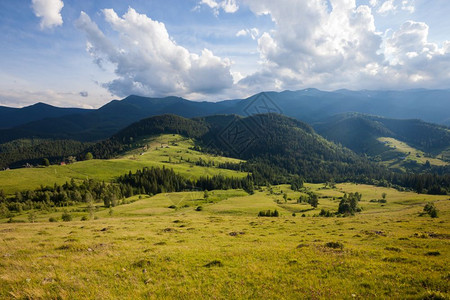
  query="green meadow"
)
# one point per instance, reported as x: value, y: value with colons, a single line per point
x: 147, y: 250
x: 170, y: 151
x: 409, y: 154
x: 192, y: 245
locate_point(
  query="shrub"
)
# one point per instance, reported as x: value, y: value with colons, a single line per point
x: 431, y: 210
x: 268, y: 213
x: 66, y: 217
x: 198, y: 208
x: 214, y: 263
x: 84, y: 218
x: 172, y: 207
x: 325, y: 213
x: 52, y: 219
x: 334, y: 245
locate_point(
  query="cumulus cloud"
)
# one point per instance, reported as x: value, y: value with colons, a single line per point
x: 228, y: 6
x: 149, y: 62
x: 49, y: 11
x: 338, y: 46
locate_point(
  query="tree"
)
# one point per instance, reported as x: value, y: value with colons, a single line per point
x: 313, y: 200
x: 383, y: 196
x: 32, y: 217
x: 206, y: 195
x: 431, y: 210
x: 45, y: 162
x: 285, y: 197
x: 297, y: 183
x: 88, y: 156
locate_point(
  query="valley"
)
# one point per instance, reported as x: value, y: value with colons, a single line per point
x: 190, y: 244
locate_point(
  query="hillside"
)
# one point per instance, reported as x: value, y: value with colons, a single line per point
x: 309, y: 105
x: 169, y: 150
x: 364, y: 133
x: 273, y: 144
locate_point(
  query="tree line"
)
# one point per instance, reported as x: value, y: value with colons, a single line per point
x: 149, y: 181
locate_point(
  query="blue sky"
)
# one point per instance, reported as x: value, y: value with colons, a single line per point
x: 86, y: 53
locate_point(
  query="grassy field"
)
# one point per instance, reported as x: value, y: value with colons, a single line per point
x: 185, y: 246
x: 147, y: 250
x: 408, y: 154
x: 172, y: 151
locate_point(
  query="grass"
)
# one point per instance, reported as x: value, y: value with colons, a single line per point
x: 406, y: 153
x: 146, y: 250
x: 164, y: 246
x: 172, y: 151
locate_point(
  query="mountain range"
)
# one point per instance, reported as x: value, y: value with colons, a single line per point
x: 309, y: 105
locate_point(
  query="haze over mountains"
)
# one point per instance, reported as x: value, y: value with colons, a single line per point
x: 309, y: 105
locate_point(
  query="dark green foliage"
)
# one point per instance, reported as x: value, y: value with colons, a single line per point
x: 45, y: 162
x: 214, y: 263
x: 431, y: 210
x: 52, y: 219
x: 334, y: 245
x: 268, y: 213
x: 313, y: 199
x: 296, y: 183
x: 198, y: 208
x: 35, y: 151
x: 349, y: 203
x: 66, y: 216
x: 325, y: 213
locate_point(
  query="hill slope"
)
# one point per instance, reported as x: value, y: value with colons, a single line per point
x: 365, y: 133
x: 274, y: 144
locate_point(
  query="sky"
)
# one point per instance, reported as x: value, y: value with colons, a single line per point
x: 81, y: 53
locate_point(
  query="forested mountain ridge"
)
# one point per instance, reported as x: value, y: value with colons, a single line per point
x: 308, y: 105
x: 275, y: 147
x: 359, y: 132
x: 12, y: 117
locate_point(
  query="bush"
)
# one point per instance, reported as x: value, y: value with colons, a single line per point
x: 198, y: 208
x: 431, y: 210
x: 334, y: 245
x: 66, y: 217
x: 84, y: 218
x: 52, y: 219
x: 268, y: 213
x: 325, y: 213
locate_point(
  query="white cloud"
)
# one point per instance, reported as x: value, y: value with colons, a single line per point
x: 408, y: 5
x: 149, y: 62
x: 49, y: 11
x: 387, y: 7
x: 253, y: 33
x: 242, y: 32
x: 228, y: 6
x: 313, y: 45
x: 373, y: 3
